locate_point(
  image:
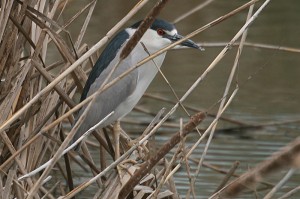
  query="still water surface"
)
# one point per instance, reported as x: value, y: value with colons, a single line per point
x: 268, y: 79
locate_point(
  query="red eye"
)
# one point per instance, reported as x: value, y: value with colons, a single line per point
x: 160, y: 32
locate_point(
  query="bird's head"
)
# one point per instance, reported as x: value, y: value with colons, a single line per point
x: 161, y: 34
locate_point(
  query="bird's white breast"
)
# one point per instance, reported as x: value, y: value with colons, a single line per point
x: 146, y: 74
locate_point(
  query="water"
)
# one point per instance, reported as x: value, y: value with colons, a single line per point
x: 268, y: 80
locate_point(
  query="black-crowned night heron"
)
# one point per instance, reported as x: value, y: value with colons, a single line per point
x: 125, y: 94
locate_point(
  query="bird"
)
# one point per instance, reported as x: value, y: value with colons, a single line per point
x: 125, y: 94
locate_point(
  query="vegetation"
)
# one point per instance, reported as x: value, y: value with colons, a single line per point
x: 38, y: 104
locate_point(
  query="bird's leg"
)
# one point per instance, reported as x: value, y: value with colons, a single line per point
x: 117, y: 130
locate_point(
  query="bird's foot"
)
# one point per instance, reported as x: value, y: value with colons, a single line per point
x: 126, y: 169
x: 142, y: 149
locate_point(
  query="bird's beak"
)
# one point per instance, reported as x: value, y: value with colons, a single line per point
x: 188, y: 43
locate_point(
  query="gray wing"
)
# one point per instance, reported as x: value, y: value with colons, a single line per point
x: 109, y: 99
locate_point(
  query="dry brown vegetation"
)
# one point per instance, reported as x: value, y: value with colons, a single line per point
x: 37, y: 103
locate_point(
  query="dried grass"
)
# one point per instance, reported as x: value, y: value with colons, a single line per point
x: 36, y: 103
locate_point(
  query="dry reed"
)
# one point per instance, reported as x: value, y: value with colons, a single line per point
x: 37, y: 102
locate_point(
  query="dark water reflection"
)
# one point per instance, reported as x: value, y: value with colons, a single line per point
x: 268, y: 79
